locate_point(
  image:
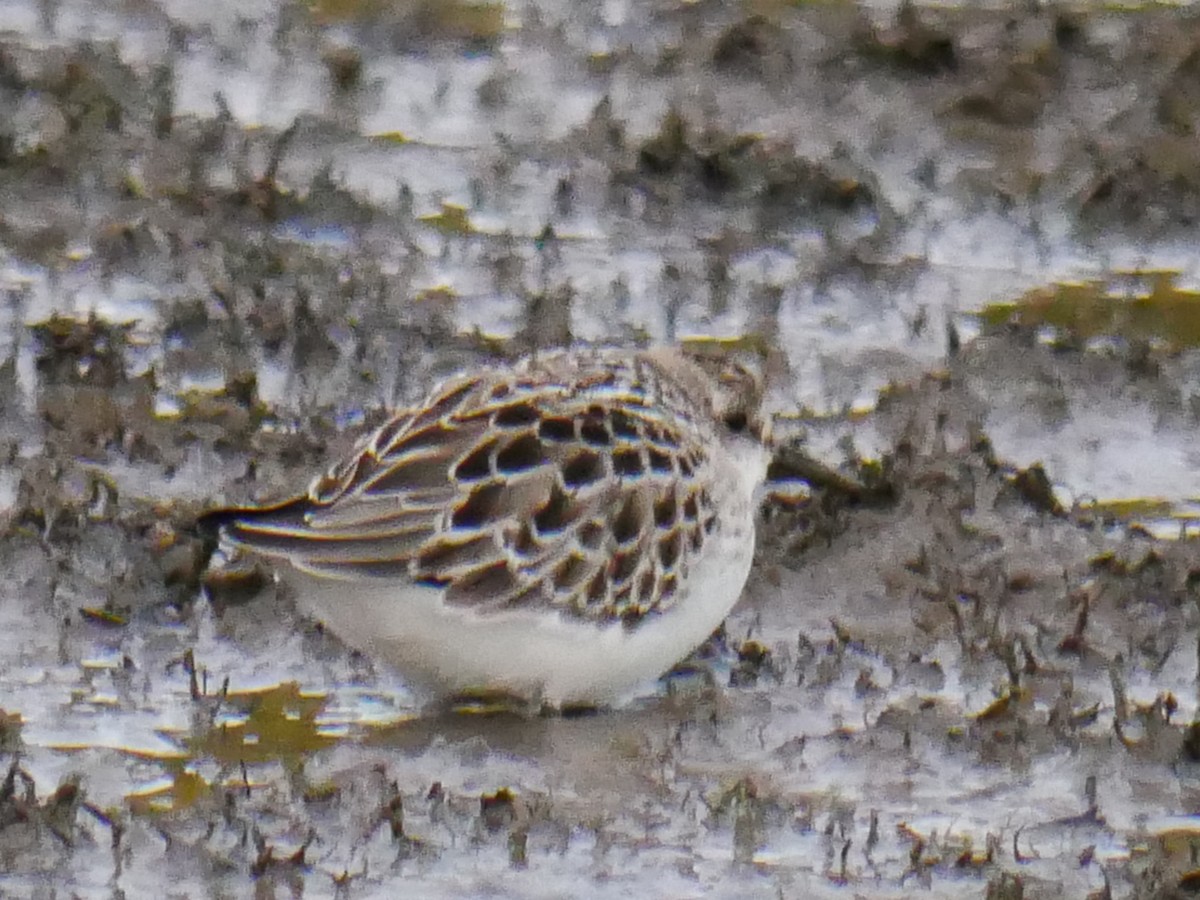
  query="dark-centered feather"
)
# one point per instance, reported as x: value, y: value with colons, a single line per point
x: 569, y: 483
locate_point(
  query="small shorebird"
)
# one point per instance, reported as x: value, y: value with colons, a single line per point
x: 560, y: 531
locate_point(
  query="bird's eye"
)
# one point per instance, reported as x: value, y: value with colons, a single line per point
x: 736, y: 422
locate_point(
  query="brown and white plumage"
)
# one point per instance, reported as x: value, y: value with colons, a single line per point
x: 562, y: 529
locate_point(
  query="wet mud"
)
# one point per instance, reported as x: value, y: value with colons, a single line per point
x: 232, y: 237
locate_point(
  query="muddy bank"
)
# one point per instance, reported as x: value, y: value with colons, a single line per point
x: 230, y: 238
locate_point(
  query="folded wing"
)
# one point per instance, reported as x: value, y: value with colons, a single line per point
x: 546, y: 487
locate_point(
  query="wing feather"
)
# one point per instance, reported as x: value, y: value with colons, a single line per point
x: 556, y: 485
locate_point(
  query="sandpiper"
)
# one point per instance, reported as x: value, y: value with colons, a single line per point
x: 562, y: 530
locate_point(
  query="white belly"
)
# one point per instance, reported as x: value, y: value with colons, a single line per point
x: 540, y: 654
x: 545, y: 655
